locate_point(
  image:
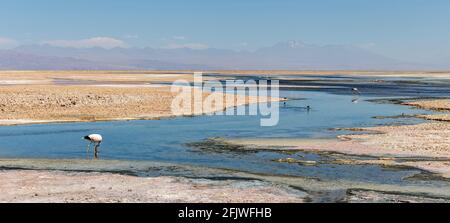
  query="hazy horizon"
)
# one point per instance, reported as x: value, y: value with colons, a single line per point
x: 405, y: 31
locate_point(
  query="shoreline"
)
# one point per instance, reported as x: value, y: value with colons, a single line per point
x: 117, y: 181
x: 394, y: 146
x: 83, y: 96
x: 30, y: 105
x: 17, y: 122
x: 79, y: 187
x: 390, y: 144
x: 393, y: 73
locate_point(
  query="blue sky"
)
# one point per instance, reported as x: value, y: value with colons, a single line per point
x: 414, y: 30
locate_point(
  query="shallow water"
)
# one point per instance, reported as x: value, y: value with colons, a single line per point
x: 165, y: 140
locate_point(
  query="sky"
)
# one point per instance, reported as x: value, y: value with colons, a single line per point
x: 409, y: 30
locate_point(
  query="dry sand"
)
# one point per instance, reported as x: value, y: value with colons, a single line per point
x: 427, y: 140
x: 21, y: 104
x: 439, y: 117
x: 60, y: 187
x: 41, y: 97
x: 32, y: 97
x: 175, y: 74
x: 363, y: 196
x: 439, y: 105
x: 95, y: 96
x: 50, y: 77
x: 430, y: 139
x: 442, y: 105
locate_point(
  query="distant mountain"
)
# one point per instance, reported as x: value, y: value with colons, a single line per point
x: 12, y: 60
x: 122, y: 58
x: 295, y: 54
x: 292, y: 55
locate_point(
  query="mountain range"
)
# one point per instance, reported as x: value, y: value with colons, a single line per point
x: 290, y: 55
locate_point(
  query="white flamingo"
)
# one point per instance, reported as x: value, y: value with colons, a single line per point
x: 95, y: 139
x: 355, y: 91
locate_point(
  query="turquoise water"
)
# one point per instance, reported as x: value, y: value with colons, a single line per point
x: 165, y: 140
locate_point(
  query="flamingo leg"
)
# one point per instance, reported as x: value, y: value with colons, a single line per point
x: 96, y: 150
x: 87, y: 150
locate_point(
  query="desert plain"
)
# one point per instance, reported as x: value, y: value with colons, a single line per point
x: 37, y: 97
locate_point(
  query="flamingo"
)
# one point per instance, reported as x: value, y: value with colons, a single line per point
x: 95, y: 139
x: 355, y: 91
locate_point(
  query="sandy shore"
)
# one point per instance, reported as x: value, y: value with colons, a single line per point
x: 30, y: 97
x: 60, y: 187
x: 440, y: 117
x: 87, y: 178
x: 426, y: 140
x: 423, y: 140
x: 439, y: 105
x: 39, y: 104
x: 49, y: 97
x: 361, y: 196
x: 430, y: 141
x: 96, y: 96
x: 393, y: 145
x: 96, y: 77
x: 373, y: 73
x: 175, y: 74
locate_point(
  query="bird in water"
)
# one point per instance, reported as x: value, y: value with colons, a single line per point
x: 95, y: 139
x: 284, y: 100
x: 308, y: 108
x: 355, y: 91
